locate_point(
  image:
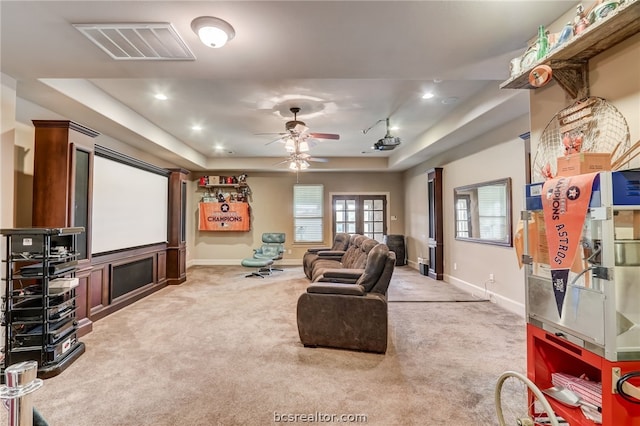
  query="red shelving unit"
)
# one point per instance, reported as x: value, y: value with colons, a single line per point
x: 547, y: 354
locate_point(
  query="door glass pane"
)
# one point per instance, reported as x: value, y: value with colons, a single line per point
x: 81, y: 202
x: 362, y: 214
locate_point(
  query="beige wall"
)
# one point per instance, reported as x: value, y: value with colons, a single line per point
x: 474, y: 261
x: 7, y: 143
x: 272, y: 209
x: 468, y: 264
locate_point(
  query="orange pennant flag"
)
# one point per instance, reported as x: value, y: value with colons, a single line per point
x: 565, y: 201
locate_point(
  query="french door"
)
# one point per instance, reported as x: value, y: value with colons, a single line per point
x: 360, y: 214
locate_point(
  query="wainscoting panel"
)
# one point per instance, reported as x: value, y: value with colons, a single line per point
x: 121, y: 277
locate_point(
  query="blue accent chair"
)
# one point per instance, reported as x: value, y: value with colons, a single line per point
x: 272, y: 247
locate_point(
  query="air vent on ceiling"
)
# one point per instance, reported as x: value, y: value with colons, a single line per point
x: 138, y: 41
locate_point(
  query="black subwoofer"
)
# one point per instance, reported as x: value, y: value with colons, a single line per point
x: 396, y: 245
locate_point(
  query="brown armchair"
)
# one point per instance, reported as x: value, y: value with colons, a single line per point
x: 349, y: 316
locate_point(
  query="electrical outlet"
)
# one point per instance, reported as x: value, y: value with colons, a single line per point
x: 491, y: 278
x: 289, y: 251
x: 455, y: 266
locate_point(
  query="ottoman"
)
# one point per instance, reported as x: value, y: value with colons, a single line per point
x: 263, y: 265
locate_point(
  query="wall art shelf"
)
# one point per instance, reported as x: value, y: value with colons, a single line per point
x: 569, y: 62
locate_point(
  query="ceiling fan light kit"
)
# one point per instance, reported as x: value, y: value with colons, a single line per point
x: 297, y: 164
x: 213, y: 32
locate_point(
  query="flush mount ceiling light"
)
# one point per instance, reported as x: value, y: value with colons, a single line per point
x: 213, y: 32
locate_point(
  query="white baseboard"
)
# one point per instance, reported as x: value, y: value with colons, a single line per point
x: 413, y: 264
x: 508, y: 304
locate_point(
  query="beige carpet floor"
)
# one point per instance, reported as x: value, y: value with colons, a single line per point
x: 222, y: 349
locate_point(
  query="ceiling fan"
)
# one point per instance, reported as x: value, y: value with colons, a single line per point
x: 297, y: 136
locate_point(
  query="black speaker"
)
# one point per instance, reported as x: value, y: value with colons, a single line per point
x: 396, y: 245
x: 424, y: 268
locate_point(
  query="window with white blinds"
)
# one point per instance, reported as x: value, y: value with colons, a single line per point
x: 308, y: 213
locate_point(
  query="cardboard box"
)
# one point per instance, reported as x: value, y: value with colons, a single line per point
x: 583, y: 162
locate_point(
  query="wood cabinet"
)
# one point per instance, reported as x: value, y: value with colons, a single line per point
x: 176, y: 258
x: 62, y: 188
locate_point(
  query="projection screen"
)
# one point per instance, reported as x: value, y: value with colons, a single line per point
x: 130, y: 205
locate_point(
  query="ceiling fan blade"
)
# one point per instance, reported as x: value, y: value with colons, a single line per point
x: 318, y: 160
x: 274, y: 141
x: 325, y: 136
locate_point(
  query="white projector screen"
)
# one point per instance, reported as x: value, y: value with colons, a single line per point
x: 130, y: 206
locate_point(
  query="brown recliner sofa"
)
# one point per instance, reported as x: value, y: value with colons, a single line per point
x: 349, y: 316
x: 352, y: 261
x: 340, y: 244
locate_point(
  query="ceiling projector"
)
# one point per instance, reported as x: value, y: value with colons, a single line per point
x: 387, y: 143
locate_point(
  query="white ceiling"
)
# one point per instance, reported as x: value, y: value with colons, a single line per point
x: 347, y: 64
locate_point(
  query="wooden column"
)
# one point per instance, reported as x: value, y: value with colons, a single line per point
x: 177, y: 245
x: 62, y: 191
x: 436, y: 220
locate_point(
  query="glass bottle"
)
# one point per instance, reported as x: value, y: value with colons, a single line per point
x: 565, y: 34
x: 543, y: 42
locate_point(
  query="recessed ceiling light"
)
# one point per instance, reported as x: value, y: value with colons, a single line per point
x: 437, y: 80
x: 450, y: 100
x: 428, y: 95
x: 196, y: 128
x: 161, y: 97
